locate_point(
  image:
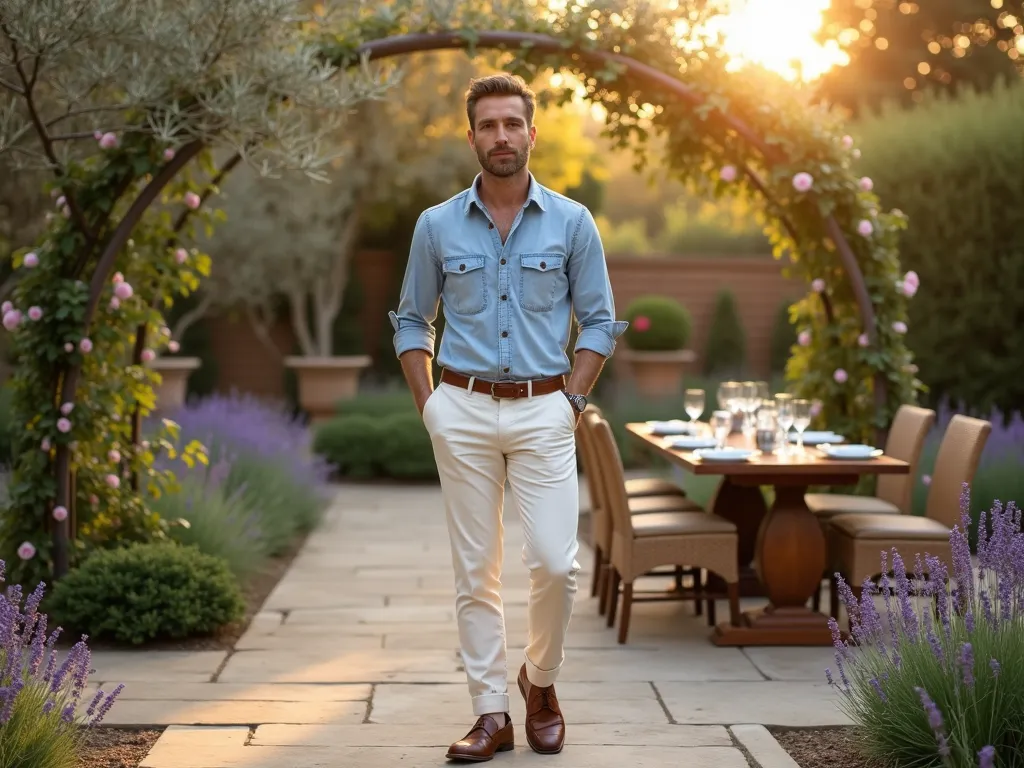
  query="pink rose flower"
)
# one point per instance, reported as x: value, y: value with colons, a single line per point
x: 94, y: 500
x: 61, y: 201
x: 123, y: 291
x: 64, y: 425
x: 31, y: 260
x: 173, y: 346
x: 85, y: 345
x: 863, y: 340
x: 818, y: 285
x: 866, y: 184
x: 117, y: 278
x: 168, y: 154
x: 97, y: 135
x: 911, y: 282
x: 865, y: 228
x: 113, y: 481
x: 60, y: 513
x: 66, y: 212
x: 192, y: 200
x: 847, y: 142
x: 69, y: 347
x: 35, y: 313
x: 728, y: 173
x: 899, y: 326
x: 840, y: 376
x: 115, y: 303
x: 926, y: 479
x: 45, y: 445
x: 148, y: 355
x: 642, y: 323
x: 181, y: 255
x: 108, y: 140
x: 816, y: 407
x: 114, y: 455
x: 804, y: 338
x: 6, y: 307
x: 803, y: 181
x: 12, y: 319
x: 67, y: 408
x: 26, y: 551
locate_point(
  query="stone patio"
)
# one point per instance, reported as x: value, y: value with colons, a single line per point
x: 354, y: 662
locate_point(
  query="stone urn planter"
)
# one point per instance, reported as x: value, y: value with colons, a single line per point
x: 324, y: 381
x: 657, y: 374
x: 173, y: 389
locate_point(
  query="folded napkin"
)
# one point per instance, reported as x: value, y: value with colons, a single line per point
x: 672, y: 427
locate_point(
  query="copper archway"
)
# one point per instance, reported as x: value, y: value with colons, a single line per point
x: 400, y: 45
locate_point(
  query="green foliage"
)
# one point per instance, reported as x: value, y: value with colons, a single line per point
x: 395, y: 446
x: 783, y: 338
x: 6, y: 396
x: 144, y: 592
x: 216, y: 522
x: 378, y: 404
x: 31, y: 739
x: 725, y: 352
x: 657, y: 324
x: 966, y: 323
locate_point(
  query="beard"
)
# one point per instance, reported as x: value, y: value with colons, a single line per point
x: 504, y: 166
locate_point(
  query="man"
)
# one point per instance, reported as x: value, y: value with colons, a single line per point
x: 513, y: 262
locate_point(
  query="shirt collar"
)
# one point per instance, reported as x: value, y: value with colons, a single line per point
x: 534, y: 195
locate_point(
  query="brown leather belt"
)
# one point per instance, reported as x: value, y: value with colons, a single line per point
x: 502, y: 390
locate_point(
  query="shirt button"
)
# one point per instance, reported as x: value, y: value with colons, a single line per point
x: 505, y: 370
x: 502, y: 261
x: 462, y: 267
x: 543, y: 265
x: 504, y: 297
x: 490, y: 225
x: 504, y: 334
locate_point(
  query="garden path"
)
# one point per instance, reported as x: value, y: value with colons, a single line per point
x: 354, y: 662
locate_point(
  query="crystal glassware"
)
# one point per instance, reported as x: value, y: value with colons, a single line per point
x: 784, y: 416
x: 801, y: 420
x: 728, y: 391
x: 721, y: 426
x: 693, y: 402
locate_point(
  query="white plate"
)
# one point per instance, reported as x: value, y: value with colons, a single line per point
x: 723, y: 454
x: 817, y: 438
x: 691, y: 443
x: 850, y: 451
x: 673, y: 427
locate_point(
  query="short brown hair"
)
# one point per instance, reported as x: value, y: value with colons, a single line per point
x: 499, y: 85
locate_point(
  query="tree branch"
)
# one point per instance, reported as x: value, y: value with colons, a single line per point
x: 12, y: 87
x: 300, y: 320
x: 191, y: 317
x: 261, y: 328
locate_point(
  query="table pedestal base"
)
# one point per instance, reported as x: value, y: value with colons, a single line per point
x: 776, y: 626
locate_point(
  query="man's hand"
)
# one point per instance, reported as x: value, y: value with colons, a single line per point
x: 417, y: 367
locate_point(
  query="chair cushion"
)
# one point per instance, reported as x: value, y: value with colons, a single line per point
x: 652, y: 486
x: 644, y: 505
x: 892, y: 527
x: 830, y: 504
x: 680, y: 523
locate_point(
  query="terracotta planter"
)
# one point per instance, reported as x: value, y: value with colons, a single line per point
x: 657, y: 374
x: 324, y: 381
x: 173, y: 388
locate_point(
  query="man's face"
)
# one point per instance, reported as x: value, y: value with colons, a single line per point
x: 502, y: 140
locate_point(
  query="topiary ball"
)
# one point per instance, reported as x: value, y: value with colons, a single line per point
x: 657, y: 324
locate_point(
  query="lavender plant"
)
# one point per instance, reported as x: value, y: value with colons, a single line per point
x: 40, y: 721
x: 939, y: 679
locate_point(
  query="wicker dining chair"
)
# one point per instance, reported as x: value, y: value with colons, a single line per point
x: 893, y: 493
x: 641, y: 543
x: 856, y: 541
x: 642, y: 500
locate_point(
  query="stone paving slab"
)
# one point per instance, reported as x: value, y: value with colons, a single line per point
x: 785, y: 663
x: 246, y: 692
x: 156, y: 666
x: 340, y: 666
x: 660, y: 735
x: 236, y: 712
x: 769, y: 703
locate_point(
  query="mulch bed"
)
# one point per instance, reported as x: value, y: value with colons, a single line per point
x: 822, y: 747
x: 117, y: 748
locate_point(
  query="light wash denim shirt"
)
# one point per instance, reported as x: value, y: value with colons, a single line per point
x: 508, y: 307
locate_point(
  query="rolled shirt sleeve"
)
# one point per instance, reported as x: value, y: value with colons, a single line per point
x: 421, y: 294
x: 591, y: 290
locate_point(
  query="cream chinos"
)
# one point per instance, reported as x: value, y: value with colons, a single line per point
x: 479, y: 441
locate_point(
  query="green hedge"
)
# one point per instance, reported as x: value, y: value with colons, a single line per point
x: 368, y: 444
x: 954, y: 167
x: 657, y: 324
x: 725, y: 354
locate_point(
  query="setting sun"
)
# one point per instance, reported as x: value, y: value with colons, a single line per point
x: 761, y: 32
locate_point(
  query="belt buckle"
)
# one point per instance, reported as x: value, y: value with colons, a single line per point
x: 496, y: 396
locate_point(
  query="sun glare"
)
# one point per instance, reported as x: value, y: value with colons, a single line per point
x: 779, y: 36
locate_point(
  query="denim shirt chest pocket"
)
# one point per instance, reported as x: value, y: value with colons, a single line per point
x: 465, y: 284
x: 541, y: 280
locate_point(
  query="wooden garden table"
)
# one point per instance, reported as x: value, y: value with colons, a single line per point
x: 784, y: 547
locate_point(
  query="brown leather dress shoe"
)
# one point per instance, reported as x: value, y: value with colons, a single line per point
x: 485, y: 738
x: 545, y: 726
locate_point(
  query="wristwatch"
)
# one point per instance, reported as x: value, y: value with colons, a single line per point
x: 579, y: 402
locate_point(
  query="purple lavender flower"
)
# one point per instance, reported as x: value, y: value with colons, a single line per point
x: 967, y: 663
x: 840, y: 651
x: 878, y: 689
x: 909, y: 617
x: 994, y: 665
x: 107, y: 704
x: 934, y: 720
x: 987, y: 757
x: 94, y: 703
x: 933, y: 639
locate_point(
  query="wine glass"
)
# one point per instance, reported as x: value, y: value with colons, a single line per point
x: 721, y: 426
x: 763, y: 392
x: 784, y: 417
x: 693, y: 402
x: 801, y: 421
x: 728, y: 391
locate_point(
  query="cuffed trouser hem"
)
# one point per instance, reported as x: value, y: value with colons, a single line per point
x: 490, y: 703
x: 542, y: 678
